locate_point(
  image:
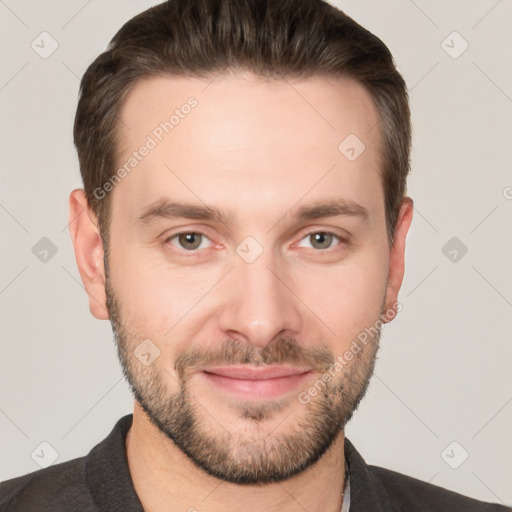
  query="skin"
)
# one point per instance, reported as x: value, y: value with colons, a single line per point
x: 259, y: 151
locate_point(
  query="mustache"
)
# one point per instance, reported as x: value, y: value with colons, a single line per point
x: 278, y: 352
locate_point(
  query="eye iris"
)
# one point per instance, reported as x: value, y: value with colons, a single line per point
x: 321, y: 240
x: 190, y: 240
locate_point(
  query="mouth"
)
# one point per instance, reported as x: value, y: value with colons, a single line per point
x: 256, y: 382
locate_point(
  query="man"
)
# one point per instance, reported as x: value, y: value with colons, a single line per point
x: 242, y: 225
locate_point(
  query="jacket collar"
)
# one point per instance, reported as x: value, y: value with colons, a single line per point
x: 108, y: 475
x: 367, y: 494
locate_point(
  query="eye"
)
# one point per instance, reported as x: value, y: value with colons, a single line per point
x: 320, y: 240
x: 188, y: 241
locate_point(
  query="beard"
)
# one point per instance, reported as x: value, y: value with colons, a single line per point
x: 250, y: 455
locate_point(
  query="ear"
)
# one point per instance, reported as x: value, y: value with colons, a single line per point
x: 396, y: 259
x: 85, y: 234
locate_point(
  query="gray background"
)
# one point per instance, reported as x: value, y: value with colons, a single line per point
x: 443, y: 373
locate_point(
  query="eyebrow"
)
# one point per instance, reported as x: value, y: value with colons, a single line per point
x: 167, y: 209
x: 333, y: 208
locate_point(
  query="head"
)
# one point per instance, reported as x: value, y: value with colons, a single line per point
x: 244, y: 167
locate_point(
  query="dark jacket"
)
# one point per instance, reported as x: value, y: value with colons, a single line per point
x: 101, y: 481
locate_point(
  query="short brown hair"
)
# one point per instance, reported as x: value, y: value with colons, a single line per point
x: 271, y: 38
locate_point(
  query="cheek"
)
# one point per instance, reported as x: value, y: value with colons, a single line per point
x: 154, y: 297
x: 347, y: 298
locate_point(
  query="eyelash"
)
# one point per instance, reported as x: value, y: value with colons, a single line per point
x: 194, y: 252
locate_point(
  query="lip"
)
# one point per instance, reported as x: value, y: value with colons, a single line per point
x: 256, y: 383
x: 256, y: 373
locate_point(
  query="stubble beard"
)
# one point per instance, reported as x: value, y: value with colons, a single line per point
x: 252, y: 455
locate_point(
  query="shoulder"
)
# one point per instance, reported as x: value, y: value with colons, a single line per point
x: 60, y: 487
x: 408, y: 492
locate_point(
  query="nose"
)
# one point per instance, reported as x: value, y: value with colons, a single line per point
x: 259, y: 304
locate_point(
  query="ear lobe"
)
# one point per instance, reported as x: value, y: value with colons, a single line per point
x: 397, y: 258
x: 88, y: 245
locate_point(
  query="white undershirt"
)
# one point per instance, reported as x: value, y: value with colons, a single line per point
x: 346, y: 495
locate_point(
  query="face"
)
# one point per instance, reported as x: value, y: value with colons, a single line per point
x: 243, y: 238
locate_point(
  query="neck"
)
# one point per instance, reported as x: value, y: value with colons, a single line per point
x: 165, y: 479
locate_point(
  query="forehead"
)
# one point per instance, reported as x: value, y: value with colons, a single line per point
x: 264, y: 140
